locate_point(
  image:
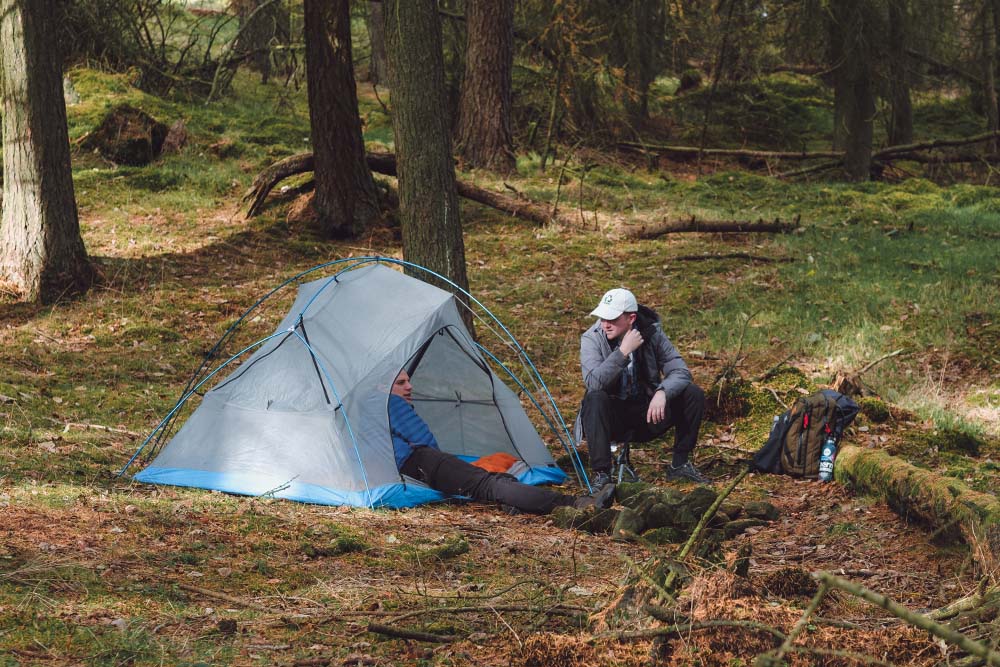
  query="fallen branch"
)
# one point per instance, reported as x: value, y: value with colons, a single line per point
x: 402, y: 633
x: 732, y: 255
x: 892, y: 151
x: 682, y: 628
x: 99, y: 427
x: 693, y: 151
x: 968, y: 645
x: 713, y: 226
x: 385, y: 164
x: 939, y: 502
x: 224, y: 597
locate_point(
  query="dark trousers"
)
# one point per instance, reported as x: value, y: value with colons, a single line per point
x: 453, y: 476
x: 608, y: 419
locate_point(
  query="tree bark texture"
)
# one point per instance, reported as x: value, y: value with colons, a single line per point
x: 428, y: 201
x: 483, y: 136
x: 989, y: 23
x: 852, y: 28
x: 901, y: 109
x: 42, y: 255
x: 644, y: 36
x: 944, y: 504
x: 378, y: 68
x: 346, y: 200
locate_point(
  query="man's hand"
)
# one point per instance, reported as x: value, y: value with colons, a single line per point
x: 631, y: 342
x: 657, y: 408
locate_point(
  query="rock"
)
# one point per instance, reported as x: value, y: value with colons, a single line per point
x: 629, y: 524
x: 128, y: 136
x: 70, y: 96
x: 734, y: 528
x: 731, y: 510
x: 762, y: 510
x: 589, y: 520
x: 226, y: 626
x: 627, y: 490
x: 665, y: 535
x: 741, y: 564
x: 176, y: 139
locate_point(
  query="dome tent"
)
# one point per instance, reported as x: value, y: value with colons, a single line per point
x: 305, y: 417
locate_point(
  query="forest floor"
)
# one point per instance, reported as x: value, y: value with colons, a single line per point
x: 96, y: 570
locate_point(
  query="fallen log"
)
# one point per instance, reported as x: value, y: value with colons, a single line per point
x: 385, y: 163
x: 656, y: 230
x: 945, y: 504
x: 694, y: 151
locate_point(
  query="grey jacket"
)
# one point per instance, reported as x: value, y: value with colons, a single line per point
x: 660, y: 365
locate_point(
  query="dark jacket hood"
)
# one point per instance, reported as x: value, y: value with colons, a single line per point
x: 646, y: 321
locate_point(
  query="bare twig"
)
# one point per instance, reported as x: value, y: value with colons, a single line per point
x: 921, y: 621
x: 223, y: 596
x: 402, y: 633
x: 880, y: 360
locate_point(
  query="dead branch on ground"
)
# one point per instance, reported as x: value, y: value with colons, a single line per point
x: 989, y: 656
x: 403, y: 633
x: 385, y: 163
x: 653, y: 231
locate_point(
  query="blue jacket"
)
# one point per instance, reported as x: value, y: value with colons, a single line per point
x: 408, y: 430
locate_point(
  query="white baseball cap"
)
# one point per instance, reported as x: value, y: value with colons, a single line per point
x: 614, y: 303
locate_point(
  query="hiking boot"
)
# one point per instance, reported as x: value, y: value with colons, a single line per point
x: 687, y: 471
x: 602, y: 499
x: 600, y: 479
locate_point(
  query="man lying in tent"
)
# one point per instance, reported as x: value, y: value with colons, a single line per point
x: 638, y: 386
x: 418, y: 456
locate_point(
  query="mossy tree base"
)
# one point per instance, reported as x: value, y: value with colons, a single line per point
x: 946, y: 505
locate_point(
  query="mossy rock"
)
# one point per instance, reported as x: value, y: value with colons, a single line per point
x: 732, y: 511
x: 738, y: 527
x: 627, y: 490
x: 665, y: 535
x: 761, y: 510
x: 128, y: 136
x: 875, y: 409
x: 628, y: 524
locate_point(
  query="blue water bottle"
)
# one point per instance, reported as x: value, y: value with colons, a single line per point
x: 826, y: 457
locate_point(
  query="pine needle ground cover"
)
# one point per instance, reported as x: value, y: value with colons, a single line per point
x: 95, y: 570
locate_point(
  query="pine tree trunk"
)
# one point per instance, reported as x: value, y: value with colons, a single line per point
x: 989, y: 24
x: 901, y: 118
x: 42, y: 256
x: 854, y: 97
x: 377, y: 67
x: 346, y: 200
x: 644, y: 33
x: 428, y: 200
x: 483, y: 137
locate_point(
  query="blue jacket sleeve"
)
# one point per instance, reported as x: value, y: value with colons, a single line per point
x: 408, y: 430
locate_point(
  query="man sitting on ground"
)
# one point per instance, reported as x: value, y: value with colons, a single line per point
x: 418, y: 456
x: 637, y: 387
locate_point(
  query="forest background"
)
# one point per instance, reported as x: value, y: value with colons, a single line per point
x: 545, y: 152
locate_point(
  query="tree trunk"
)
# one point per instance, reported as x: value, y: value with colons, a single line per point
x: 851, y: 33
x: 483, y: 136
x: 42, y: 255
x: 428, y: 201
x: 346, y: 200
x: 377, y: 66
x: 643, y: 39
x: 989, y: 70
x: 944, y: 504
x: 901, y: 113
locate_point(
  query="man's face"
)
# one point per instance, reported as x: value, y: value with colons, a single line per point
x: 401, y: 387
x: 618, y: 327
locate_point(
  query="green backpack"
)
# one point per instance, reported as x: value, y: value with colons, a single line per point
x: 797, y: 436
